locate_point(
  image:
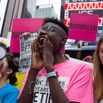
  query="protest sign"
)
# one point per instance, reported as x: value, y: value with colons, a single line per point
x: 20, y: 26
x: 83, y: 27
x: 83, y: 6
x: 25, y: 51
x: 20, y: 43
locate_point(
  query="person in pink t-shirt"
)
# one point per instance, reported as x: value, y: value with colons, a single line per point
x: 52, y: 78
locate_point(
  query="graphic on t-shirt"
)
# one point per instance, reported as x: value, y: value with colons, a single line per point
x: 42, y: 90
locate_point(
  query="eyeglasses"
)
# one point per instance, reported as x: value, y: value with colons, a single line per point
x: 52, y: 29
x: 3, y: 51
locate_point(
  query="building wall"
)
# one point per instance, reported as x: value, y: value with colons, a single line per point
x: 14, y: 10
x: 3, y: 8
x: 22, y: 9
x: 45, y: 11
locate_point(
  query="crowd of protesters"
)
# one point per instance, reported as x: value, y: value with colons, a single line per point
x: 52, y: 77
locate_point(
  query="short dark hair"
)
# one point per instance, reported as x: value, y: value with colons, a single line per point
x: 56, y: 21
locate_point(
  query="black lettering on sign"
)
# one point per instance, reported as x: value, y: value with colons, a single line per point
x: 16, y: 34
x: 83, y: 26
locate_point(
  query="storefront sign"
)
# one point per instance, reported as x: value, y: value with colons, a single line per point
x: 83, y: 6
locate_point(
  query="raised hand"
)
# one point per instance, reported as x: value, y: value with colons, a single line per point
x: 26, y: 35
x: 48, y: 58
x: 36, y: 58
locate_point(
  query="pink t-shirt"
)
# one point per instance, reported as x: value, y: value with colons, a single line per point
x: 75, y: 79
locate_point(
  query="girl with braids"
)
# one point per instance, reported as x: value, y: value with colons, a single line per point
x: 98, y: 71
x: 8, y: 69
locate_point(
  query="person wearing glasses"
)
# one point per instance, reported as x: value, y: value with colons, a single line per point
x: 8, y: 69
x: 52, y: 78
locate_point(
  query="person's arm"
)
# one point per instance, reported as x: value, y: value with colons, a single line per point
x: 56, y: 92
x: 11, y: 97
x: 36, y: 64
x: 26, y: 96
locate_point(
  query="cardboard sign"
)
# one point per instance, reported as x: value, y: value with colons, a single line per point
x: 20, y: 26
x: 83, y: 27
x: 25, y: 51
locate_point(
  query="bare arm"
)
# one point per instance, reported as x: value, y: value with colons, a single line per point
x: 36, y: 65
x: 56, y: 91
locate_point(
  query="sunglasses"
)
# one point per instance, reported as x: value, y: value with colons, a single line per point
x: 3, y: 51
x: 52, y: 29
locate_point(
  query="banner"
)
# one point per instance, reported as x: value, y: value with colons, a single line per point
x: 20, y: 26
x: 83, y: 6
x: 83, y: 27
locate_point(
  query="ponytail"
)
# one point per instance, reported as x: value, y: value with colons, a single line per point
x: 13, y: 64
x: 12, y: 79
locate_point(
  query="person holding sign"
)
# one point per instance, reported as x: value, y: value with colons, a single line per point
x: 52, y: 78
x: 98, y: 71
x: 8, y: 68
